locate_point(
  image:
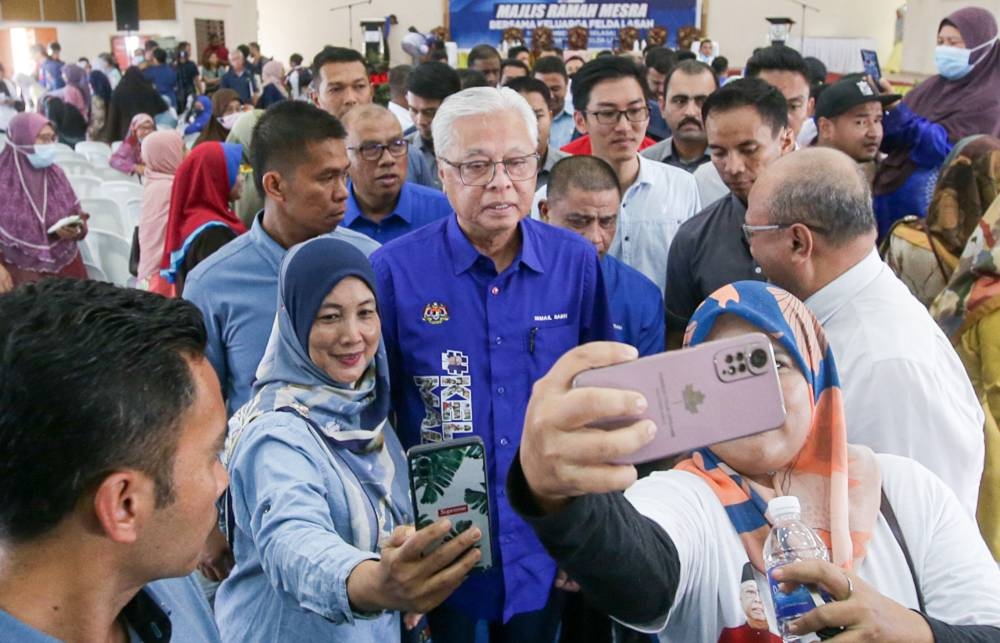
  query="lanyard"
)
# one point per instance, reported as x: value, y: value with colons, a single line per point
x: 45, y: 193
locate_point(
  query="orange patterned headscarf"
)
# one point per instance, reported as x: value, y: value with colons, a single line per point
x: 838, y: 485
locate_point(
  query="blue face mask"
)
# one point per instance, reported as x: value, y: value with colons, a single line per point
x: 953, y: 62
x: 42, y: 157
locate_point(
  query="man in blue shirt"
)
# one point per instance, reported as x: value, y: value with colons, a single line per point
x: 163, y: 76
x: 583, y: 197
x: 133, y: 410
x: 300, y: 166
x: 474, y: 309
x: 382, y: 204
x: 239, y: 78
x: 426, y: 88
x: 49, y: 67
x: 552, y: 71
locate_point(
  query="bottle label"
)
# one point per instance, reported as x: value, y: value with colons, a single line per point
x: 789, y: 605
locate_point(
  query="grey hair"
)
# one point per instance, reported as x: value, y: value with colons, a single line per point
x: 479, y: 101
x: 833, y: 197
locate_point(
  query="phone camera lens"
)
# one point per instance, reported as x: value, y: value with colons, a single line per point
x: 758, y: 358
x: 739, y: 357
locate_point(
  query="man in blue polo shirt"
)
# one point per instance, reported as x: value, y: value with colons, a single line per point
x: 583, y: 197
x: 163, y: 76
x: 475, y: 308
x: 110, y: 461
x: 382, y: 204
x: 239, y: 78
x: 300, y: 166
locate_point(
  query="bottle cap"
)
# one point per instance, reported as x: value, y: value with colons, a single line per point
x: 782, y: 506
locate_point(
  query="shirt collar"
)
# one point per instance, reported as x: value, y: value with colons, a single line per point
x: 464, y: 254
x: 825, y: 302
x: 647, y: 172
x: 268, y: 248
x: 402, y: 209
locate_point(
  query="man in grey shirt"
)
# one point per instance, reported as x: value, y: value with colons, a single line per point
x: 685, y: 91
x: 426, y: 88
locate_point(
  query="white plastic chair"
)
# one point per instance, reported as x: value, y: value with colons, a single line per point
x: 74, y: 167
x: 133, y: 211
x: 106, y: 215
x: 112, y: 253
x: 108, y: 173
x: 94, y: 272
x: 85, y: 186
x: 115, y: 145
x: 121, y: 192
x: 84, y: 147
x: 98, y: 158
x: 62, y: 148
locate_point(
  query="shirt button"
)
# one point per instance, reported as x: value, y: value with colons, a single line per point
x: 499, y: 340
x: 757, y: 270
x: 501, y: 390
x: 494, y: 290
x: 504, y: 442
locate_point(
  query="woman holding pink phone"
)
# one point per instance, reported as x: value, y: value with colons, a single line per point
x: 908, y: 564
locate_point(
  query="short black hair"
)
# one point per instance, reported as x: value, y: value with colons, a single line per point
x: 750, y: 92
x: 160, y: 55
x: 661, y: 59
x: 720, y: 64
x: 815, y: 70
x: 84, y: 60
x: 243, y: 49
x: 184, y: 44
x: 604, y: 53
x: 550, y: 65
x: 438, y: 55
x: 286, y: 129
x: 554, y: 49
x: 295, y: 59
x: 150, y: 45
x: 600, y: 70
x: 433, y: 81
x: 691, y: 68
x: 330, y: 54
x: 472, y: 78
x: 398, y: 76
x: 581, y: 171
x: 483, y: 52
x: 95, y: 379
x: 55, y: 46
x: 514, y: 62
x: 514, y: 51
x: 777, y: 58
x: 684, y: 54
x: 528, y: 85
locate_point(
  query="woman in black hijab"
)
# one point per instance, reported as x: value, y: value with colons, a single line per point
x: 133, y: 95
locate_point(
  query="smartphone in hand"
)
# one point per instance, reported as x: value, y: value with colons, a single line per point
x: 714, y: 392
x: 65, y: 222
x: 448, y: 480
x: 869, y: 58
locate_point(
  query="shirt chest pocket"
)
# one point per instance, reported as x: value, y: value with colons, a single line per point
x: 546, y: 343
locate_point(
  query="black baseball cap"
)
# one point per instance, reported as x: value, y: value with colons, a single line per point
x: 848, y: 92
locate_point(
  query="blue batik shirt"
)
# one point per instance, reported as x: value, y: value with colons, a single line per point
x: 636, y: 307
x: 465, y: 347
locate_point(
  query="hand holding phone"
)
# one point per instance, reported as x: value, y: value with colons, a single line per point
x: 406, y: 579
x: 869, y: 58
x: 66, y: 222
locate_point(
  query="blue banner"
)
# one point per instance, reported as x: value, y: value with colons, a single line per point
x: 483, y: 21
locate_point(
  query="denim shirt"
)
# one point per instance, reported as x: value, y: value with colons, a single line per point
x: 304, y: 521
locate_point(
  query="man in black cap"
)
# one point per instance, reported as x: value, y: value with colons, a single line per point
x: 849, y: 117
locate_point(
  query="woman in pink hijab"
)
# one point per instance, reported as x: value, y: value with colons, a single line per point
x: 162, y: 153
x: 128, y: 158
x: 36, y: 196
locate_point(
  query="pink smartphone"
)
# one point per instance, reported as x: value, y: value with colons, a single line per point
x: 713, y: 392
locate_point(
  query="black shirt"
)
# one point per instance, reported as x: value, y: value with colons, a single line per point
x: 708, y: 252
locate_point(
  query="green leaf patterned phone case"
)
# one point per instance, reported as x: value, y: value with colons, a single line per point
x: 448, y: 480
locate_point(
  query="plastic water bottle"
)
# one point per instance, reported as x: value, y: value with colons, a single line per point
x: 790, y: 540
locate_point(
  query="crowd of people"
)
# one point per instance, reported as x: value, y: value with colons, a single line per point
x: 322, y: 282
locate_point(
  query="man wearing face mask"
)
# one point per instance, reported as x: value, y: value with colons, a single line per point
x: 921, y: 129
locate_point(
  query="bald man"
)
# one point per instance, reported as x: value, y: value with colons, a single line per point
x: 382, y: 204
x: 811, y: 227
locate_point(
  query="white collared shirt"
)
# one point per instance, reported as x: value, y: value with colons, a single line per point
x: 905, y: 389
x: 402, y: 115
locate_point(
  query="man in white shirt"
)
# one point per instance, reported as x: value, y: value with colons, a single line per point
x: 610, y: 106
x: 810, y: 226
x: 397, y: 104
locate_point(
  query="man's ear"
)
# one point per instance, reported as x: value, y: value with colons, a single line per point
x: 274, y: 187
x: 803, y: 241
x: 543, y: 210
x: 122, y: 503
x: 580, y: 122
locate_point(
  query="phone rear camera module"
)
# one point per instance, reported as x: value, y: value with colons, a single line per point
x: 758, y: 358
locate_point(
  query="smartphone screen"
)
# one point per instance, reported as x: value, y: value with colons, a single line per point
x: 448, y: 480
x: 869, y: 59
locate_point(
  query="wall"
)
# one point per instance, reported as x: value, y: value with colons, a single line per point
x: 920, y: 29
x: 740, y: 26
x: 304, y: 26
x: 90, y: 38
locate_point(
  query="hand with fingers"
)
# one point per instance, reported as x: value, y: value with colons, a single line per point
x: 406, y: 580
x: 560, y: 455
x: 858, y: 608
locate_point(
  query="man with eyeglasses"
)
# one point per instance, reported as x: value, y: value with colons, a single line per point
x: 812, y: 228
x: 381, y: 203
x: 685, y: 90
x: 610, y: 105
x: 474, y: 309
x: 746, y: 123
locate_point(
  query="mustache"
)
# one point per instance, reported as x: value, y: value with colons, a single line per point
x: 690, y: 120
